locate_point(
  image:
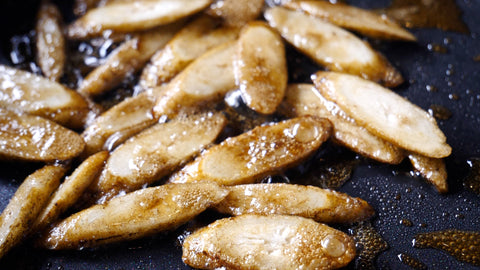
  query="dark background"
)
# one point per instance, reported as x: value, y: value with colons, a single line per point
x: 389, y: 189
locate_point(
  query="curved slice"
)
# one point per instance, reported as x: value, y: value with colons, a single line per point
x: 236, y: 12
x: 260, y: 152
x: 332, y: 47
x: 26, y: 92
x: 142, y: 15
x: 260, y: 67
x: 119, y: 123
x: 192, y: 41
x: 70, y: 190
x: 363, y: 21
x: 268, y: 242
x: 157, y: 151
x: 384, y: 113
x: 50, y: 43
x: 321, y: 205
x: 32, y: 138
x: 135, y: 215
x: 305, y: 99
x: 26, y: 204
x: 127, y: 59
x: 205, y: 80
x: 432, y: 169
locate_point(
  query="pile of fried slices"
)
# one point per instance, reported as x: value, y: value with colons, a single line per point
x: 191, y: 54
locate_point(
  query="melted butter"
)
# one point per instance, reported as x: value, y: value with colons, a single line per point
x: 463, y: 245
x: 442, y: 14
x: 412, y: 262
x: 369, y: 244
x: 439, y: 112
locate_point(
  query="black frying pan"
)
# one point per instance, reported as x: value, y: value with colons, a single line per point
x: 394, y: 194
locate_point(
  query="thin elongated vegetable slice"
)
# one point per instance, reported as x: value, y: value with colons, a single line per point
x: 260, y: 67
x: 384, y: 113
x: 236, y: 12
x: 142, y: 15
x: 268, y: 242
x: 70, y: 190
x: 28, y: 137
x: 26, y: 92
x: 305, y: 99
x: 322, y: 205
x: 260, y: 152
x: 25, y: 205
x: 50, y: 41
x: 156, y: 152
x: 127, y: 59
x: 331, y: 46
x: 192, y: 41
x: 432, y: 169
x: 119, y: 123
x: 363, y: 21
x: 137, y: 214
x: 205, y: 80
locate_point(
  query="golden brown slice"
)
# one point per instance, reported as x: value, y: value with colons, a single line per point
x: 331, y: 46
x: 363, y: 21
x: 268, y: 242
x: 127, y: 59
x: 260, y: 67
x: 135, y: 215
x: 25, y: 205
x: 432, y: 169
x: 205, y: 80
x: 119, y: 123
x: 305, y: 99
x: 127, y: 16
x: 322, y: 205
x: 157, y: 151
x: 27, y: 92
x: 50, y: 41
x: 260, y: 152
x: 33, y: 138
x: 384, y: 113
x: 236, y: 12
x: 70, y: 190
x: 189, y: 43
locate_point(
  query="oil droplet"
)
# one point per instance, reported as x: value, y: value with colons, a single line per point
x: 472, y: 181
x: 412, y: 262
x: 332, y: 246
x: 476, y: 58
x: 433, y: 47
x: 431, y: 88
x: 439, y: 112
x: 442, y: 14
x: 463, y: 245
x: 453, y: 96
x: 406, y: 222
x: 369, y: 244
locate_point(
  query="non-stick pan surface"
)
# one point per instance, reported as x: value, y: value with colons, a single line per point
x: 396, y: 196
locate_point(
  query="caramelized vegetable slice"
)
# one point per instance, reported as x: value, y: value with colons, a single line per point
x: 28, y: 137
x: 50, y: 41
x: 127, y: 59
x: 322, y: 205
x: 384, y: 113
x: 304, y: 99
x: 236, y: 12
x: 205, y: 80
x: 260, y: 152
x: 27, y: 92
x: 120, y: 122
x: 191, y: 42
x: 360, y: 20
x: 268, y: 242
x: 432, y: 169
x: 332, y: 47
x: 71, y: 190
x: 260, y: 68
x: 142, y: 15
x: 135, y: 215
x: 156, y: 151
x: 25, y: 205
